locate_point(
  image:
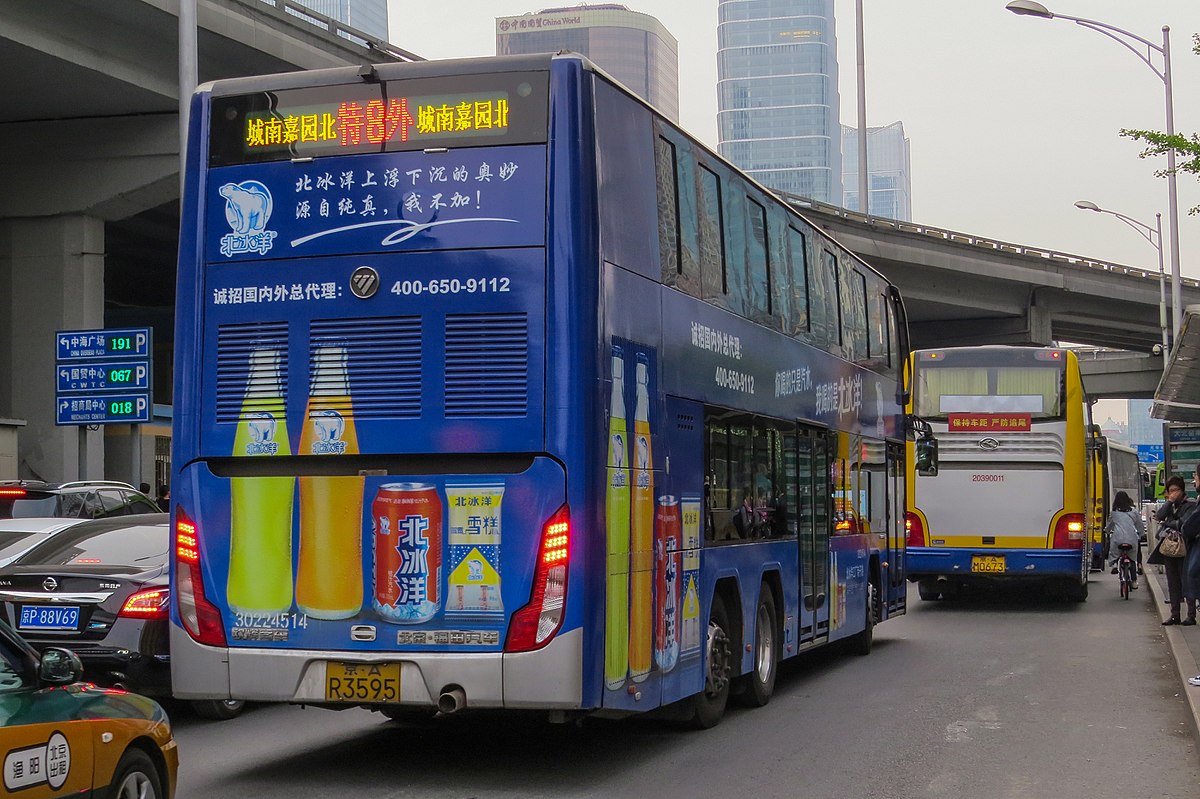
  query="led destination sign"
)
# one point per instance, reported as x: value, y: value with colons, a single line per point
x: 466, y: 110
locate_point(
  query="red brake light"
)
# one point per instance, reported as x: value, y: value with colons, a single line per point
x: 150, y: 604
x: 12, y: 492
x: 914, y: 531
x: 1068, y: 531
x: 201, y: 618
x: 533, y: 625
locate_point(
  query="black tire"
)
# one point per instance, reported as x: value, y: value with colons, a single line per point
x: 860, y: 643
x: 136, y: 777
x: 708, y: 706
x: 218, y: 709
x: 1077, y: 592
x: 928, y: 590
x: 759, y: 684
x: 1124, y: 589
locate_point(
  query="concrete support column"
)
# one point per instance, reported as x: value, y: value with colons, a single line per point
x: 51, y: 278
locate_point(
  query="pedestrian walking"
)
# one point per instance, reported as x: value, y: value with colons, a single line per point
x: 1171, y: 516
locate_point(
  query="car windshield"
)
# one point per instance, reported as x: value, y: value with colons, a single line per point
x: 36, y: 504
x: 142, y: 546
x: 13, y: 542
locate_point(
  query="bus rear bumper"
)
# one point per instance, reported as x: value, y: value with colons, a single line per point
x: 550, y: 678
x: 922, y: 563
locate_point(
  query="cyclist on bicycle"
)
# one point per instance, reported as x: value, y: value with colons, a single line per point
x: 1125, y: 526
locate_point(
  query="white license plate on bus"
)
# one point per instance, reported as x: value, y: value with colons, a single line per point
x: 362, y: 682
x: 987, y: 564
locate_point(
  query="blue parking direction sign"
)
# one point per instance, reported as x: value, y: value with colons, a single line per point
x: 103, y: 376
x: 88, y: 344
x: 103, y: 409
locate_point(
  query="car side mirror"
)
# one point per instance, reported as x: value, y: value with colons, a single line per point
x: 927, y: 456
x: 60, y: 666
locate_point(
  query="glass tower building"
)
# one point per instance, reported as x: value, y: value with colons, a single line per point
x: 777, y: 95
x: 888, y: 178
x: 634, y: 48
x: 368, y: 16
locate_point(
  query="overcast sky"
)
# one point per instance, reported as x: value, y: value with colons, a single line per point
x: 1011, y: 119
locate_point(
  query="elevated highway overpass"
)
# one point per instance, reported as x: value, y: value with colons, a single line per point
x: 963, y: 289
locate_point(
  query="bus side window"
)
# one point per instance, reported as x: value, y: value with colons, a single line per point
x: 757, y: 268
x: 797, y: 285
x: 736, y: 286
x: 668, y: 210
x: 712, y: 237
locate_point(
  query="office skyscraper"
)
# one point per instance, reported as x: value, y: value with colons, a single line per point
x: 888, y: 177
x: 368, y: 16
x: 634, y: 48
x: 777, y: 95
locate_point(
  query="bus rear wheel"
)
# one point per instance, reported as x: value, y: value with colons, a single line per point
x: 860, y: 643
x: 708, y: 706
x: 928, y: 590
x: 759, y: 684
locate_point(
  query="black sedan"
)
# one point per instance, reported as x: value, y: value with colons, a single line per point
x: 100, y: 588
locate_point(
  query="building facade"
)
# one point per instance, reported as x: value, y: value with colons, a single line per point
x: 777, y: 95
x: 888, y: 177
x: 368, y: 16
x: 634, y: 48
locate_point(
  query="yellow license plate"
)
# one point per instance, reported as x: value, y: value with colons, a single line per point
x: 987, y: 564
x: 362, y: 682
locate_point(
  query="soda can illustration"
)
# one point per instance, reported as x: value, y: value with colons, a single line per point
x: 667, y: 539
x: 406, y: 521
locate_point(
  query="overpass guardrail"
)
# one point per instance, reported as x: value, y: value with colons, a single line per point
x: 338, y: 28
x: 807, y: 204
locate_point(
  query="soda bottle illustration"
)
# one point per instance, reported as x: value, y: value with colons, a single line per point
x: 616, y: 512
x: 260, y: 523
x: 329, y: 579
x: 641, y: 571
x: 667, y: 535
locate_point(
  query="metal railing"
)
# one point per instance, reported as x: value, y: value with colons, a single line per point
x: 338, y: 28
x: 805, y: 204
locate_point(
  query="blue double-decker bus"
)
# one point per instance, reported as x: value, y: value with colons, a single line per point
x: 494, y: 389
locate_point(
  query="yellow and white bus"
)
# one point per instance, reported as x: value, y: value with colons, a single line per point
x: 1009, y: 500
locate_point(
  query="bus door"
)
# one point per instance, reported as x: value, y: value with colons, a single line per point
x: 894, y: 580
x: 814, y: 518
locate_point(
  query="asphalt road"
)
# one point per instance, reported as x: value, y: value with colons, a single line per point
x: 1001, y: 696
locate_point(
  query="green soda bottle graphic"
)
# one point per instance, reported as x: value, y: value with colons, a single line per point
x: 616, y: 511
x: 260, y: 529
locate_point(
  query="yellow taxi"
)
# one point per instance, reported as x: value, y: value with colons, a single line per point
x: 61, y: 737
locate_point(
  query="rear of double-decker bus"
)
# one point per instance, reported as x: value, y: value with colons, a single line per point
x: 1010, y: 500
x: 377, y: 390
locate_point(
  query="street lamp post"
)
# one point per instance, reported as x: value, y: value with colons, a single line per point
x: 864, y: 187
x: 1154, y: 236
x: 1033, y: 9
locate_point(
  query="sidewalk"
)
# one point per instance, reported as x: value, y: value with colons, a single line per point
x: 1184, y: 643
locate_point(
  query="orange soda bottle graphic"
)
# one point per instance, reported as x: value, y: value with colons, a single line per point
x: 616, y: 512
x: 260, y: 512
x: 641, y: 570
x: 329, y: 580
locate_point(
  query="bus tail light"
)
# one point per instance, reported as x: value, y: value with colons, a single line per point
x: 201, y: 618
x: 533, y: 625
x: 1068, y: 532
x: 914, y: 531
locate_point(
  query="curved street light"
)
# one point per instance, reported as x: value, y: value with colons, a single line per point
x: 1029, y: 8
x: 1154, y: 236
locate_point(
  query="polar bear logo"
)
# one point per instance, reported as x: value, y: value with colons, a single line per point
x: 247, y: 206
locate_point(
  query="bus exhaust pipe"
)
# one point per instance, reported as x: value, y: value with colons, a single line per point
x: 452, y: 701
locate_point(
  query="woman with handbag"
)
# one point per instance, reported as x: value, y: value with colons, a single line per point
x: 1170, y: 550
